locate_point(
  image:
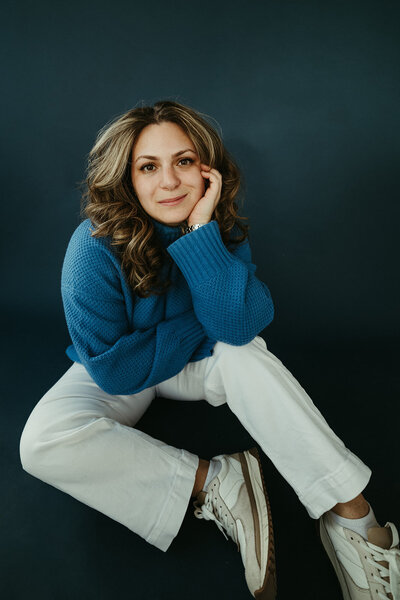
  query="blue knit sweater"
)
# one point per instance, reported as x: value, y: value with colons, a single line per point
x: 128, y: 343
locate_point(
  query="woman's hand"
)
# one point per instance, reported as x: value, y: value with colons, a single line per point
x: 204, y: 208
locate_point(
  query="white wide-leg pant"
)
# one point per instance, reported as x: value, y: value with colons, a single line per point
x: 82, y: 440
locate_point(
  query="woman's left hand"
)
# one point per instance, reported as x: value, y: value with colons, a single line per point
x: 204, y: 208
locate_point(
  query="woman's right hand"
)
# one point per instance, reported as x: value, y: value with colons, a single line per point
x: 204, y: 208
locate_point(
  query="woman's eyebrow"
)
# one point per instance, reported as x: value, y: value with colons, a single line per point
x: 174, y: 155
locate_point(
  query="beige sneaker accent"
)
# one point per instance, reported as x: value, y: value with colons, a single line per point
x: 237, y: 501
x: 366, y: 569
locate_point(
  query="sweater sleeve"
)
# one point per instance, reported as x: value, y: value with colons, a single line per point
x: 231, y: 303
x: 122, y: 361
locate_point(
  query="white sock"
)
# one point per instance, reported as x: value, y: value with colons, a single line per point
x: 213, y: 470
x: 360, y: 526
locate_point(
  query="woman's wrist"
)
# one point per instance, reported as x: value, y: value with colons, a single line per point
x: 193, y: 226
x: 197, y: 222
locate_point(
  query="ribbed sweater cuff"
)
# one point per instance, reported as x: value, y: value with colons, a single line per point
x: 201, y: 254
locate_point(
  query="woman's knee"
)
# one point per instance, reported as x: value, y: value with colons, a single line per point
x: 239, y: 355
x: 47, y: 428
x: 29, y: 443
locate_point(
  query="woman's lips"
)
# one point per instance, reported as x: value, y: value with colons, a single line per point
x: 172, y: 202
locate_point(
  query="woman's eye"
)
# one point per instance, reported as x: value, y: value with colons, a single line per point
x: 144, y: 167
x: 146, y: 170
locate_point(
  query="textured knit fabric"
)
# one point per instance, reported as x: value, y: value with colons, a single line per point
x: 128, y: 343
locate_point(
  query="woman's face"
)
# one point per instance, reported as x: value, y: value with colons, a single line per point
x: 165, y: 165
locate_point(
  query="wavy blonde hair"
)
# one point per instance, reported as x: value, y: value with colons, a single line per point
x: 111, y: 204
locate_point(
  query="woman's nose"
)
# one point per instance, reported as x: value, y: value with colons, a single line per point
x: 169, y: 178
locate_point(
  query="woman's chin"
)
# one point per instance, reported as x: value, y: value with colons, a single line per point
x: 174, y: 219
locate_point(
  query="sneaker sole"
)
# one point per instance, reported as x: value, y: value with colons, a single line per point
x: 251, y: 474
x: 330, y: 550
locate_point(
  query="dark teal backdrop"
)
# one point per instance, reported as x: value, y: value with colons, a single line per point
x: 306, y: 95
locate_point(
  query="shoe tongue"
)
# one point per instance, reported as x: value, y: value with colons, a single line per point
x: 380, y: 536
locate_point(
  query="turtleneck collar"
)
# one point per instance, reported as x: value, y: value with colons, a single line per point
x: 166, y: 233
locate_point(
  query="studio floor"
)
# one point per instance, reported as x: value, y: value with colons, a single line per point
x: 55, y: 547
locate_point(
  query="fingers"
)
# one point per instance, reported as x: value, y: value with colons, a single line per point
x: 207, y: 171
x: 214, y: 178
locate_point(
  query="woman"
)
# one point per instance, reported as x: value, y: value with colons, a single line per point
x: 161, y: 299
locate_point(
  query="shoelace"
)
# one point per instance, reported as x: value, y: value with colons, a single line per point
x: 211, y: 511
x: 392, y: 557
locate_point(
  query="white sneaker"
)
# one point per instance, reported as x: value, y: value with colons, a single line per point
x: 366, y: 569
x: 236, y: 499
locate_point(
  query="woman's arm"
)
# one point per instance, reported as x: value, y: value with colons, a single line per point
x: 231, y: 303
x: 121, y: 361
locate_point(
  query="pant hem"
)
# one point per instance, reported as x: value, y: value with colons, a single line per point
x: 342, y: 486
x: 171, y: 518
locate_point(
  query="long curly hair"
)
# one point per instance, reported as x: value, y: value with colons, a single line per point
x: 110, y: 202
